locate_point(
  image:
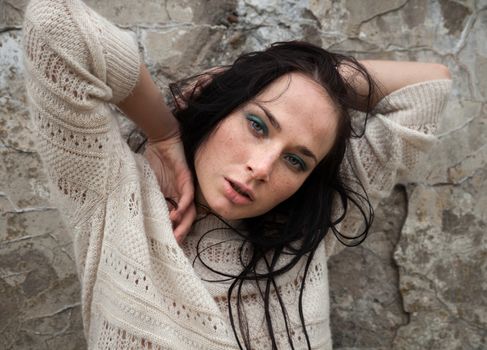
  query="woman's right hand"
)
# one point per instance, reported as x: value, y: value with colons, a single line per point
x: 145, y: 106
x: 168, y: 162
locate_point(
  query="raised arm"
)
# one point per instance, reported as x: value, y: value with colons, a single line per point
x: 398, y: 134
x: 76, y: 64
x: 393, y: 75
x: 403, y: 117
x: 145, y: 106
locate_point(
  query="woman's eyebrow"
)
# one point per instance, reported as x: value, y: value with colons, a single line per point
x: 270, y: 116
x: 303, y: 149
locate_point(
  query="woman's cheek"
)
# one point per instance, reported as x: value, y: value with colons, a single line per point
x: 286, y: 186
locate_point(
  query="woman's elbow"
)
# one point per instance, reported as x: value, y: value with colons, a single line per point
x: 442, y: 71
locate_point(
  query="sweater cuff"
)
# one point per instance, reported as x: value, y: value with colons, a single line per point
x: 121, y: 55
x: 123, y: 63
x: 428, y: 99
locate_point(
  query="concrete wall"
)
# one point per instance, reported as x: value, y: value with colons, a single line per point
x: 418, y: 282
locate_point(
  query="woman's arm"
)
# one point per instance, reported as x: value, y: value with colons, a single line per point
x: 145, y: 106
x: 69, y: 82
x: 165, y: 153
x: 391, y: 76
x: 404, y: 115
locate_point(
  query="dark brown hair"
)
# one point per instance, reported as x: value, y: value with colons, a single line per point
x: 295, y: 227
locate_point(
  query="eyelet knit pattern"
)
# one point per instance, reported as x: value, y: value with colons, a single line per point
x: 140, y: 290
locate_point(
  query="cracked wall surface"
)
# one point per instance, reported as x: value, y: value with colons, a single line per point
x: 420, y: 279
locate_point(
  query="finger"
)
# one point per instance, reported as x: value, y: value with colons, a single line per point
x: 181, y: 208
x: 175, y: 217
x: 186, y: 200
x: 183, y: 228
x: 172, y: 205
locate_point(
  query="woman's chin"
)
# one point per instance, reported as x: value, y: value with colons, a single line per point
x: 227, y: 211
x: 224, y: 208
x: 224, y: 212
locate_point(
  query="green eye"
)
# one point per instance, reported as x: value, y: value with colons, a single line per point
x: 257, y: 125
x: 295, y: 162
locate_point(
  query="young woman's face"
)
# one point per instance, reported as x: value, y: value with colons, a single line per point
x: 263, y: 152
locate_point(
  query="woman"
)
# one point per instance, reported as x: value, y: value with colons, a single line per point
x: 280, y: 152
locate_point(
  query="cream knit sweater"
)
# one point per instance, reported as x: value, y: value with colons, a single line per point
x: 140, y: 290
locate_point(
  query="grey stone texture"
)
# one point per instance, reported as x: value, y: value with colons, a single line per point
x: 419, y: 281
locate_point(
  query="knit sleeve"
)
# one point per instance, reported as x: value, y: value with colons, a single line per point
x: 398, y: 133
x: 76, y: 64
x: 138, y: 289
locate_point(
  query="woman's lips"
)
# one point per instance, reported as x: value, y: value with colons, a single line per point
x: 236, y: 193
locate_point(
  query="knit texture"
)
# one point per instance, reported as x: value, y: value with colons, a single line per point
x: 140, y: 290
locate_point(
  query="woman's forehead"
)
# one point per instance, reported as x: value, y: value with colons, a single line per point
x: 303, y: 107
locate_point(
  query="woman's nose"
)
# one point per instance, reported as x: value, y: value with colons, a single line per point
x: 262, y: 164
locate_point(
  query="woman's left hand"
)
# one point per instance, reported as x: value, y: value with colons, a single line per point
x: 168, y: 162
